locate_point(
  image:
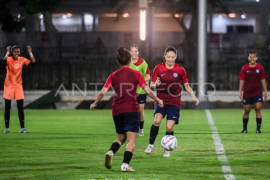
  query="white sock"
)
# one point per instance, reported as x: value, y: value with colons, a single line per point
x: 111, y: 152
x: 125, y: 164
x: 151, y: 145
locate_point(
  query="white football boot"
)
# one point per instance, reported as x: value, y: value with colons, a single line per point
x: 141, y: 133
x: 150, y: 149
x: 108, y: 160
x: 126, y: 168
x: 166, y: 153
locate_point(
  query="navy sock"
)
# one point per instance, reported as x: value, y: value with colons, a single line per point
x: 153, y: 134
x: 141, y: 125
x: 169, y: 133
x: 245, y: 123
x: 259, y: 122
x: 127, y: 157
x: 115, y: 147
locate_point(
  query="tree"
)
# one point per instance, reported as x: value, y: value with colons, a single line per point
x: 183, y: 8
x: 14, y: 23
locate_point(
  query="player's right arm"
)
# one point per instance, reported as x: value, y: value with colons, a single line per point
x: 155, y: 81
x: 4, y: 62
x: 99, y: 97
x: 101, y: 94
x: 150, y: 93
x: 241, y: 85
x: 242, y: 82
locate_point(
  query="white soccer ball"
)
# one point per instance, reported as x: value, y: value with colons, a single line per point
x: 169, y: 142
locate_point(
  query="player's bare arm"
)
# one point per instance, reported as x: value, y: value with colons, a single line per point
x: 4, y: 61
x: 265, y: 89
x: 147, y: 77
x: 241, y: 85
x: 99, y: 97
x: 156, y: 84
x: 150, y: 93
x: 8, y: 52
x: 31, y: 54
x: 189, y: 90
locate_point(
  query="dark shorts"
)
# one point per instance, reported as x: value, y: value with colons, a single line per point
x: 141, y: 98
x: 127, y: 122
x: 172, y: 112
x: 253, y: 100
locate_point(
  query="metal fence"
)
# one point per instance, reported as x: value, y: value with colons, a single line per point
x: 78, y: 53
x: 96, y: 68
x: 235, y: 54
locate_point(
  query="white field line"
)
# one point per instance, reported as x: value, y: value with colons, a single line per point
x: 225, y: 166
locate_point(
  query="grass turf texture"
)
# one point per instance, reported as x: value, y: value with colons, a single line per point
x: 71, y: 144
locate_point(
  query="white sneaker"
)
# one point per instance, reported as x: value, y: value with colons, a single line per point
x: 141, y: 133
x: 166, y: 153
x: 108, y: 160
x: 149, y: 150
x: 126, y: 168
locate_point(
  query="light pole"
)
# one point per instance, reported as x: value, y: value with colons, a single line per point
x: 202, y: 61
x: 202, y: 12
x: 143, y: 4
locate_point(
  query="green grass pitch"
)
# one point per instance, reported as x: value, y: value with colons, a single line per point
x: 71, y: 144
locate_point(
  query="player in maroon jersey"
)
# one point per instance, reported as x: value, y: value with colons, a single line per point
x: 167, y: 78
x: 251, y: 77
x: 125, y: 108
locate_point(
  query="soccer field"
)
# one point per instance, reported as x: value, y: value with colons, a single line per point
x: 71, y: 144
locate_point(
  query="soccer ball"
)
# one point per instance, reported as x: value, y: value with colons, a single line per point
x: 169, y: 142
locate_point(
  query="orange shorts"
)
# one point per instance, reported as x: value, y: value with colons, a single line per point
x: 13, y: 92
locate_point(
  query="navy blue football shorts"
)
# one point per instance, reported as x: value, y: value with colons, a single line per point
x: 141, y: 98
x: 252, y: 100
x: 172, y: 112
x: 127, y: 122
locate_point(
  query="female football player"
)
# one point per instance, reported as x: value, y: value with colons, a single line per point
x: 13, y: 82
x: 140, y: 65
x: 251, y: 77
x: 167, y: 78
x: 125, y: 109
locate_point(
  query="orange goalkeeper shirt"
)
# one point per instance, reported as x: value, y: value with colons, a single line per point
x: 14, y: 71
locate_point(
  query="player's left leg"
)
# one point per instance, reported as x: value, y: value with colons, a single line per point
x: 258, y: 108
x: 114, y: 148
x: 21, y: 115
x: 173, y: 114
x: 119, y: 122
x: 141, y: 100
x: 169, y: 131
x: 19, y: 96
x: 141, y: 112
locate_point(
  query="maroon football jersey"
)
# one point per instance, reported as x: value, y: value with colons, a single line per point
x: 171, y: 79
x: 124, y: 82
x: 252, y: 77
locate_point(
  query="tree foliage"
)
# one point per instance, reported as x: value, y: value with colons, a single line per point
x: 13, y: 23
